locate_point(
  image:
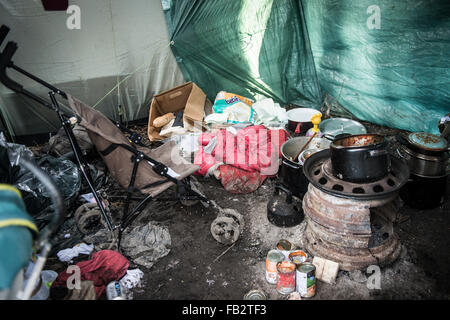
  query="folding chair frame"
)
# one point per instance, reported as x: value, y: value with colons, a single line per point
x: 184, y: 191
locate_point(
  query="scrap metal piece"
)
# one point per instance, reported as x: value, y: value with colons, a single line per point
x: 225, y: 230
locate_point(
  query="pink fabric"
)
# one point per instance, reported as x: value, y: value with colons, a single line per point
x: 254, y: 148
x: 249, y: 156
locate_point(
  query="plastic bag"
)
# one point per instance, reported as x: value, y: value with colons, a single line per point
x: 36, y: 197
x: 231, y: 108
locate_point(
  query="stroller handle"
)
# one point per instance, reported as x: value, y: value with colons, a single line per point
x: 6, y: 62
x: 5, y: 59
x: 55, y: 194
x: 3, y: 32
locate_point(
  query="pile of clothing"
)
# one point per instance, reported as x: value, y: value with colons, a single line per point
x: 241, y: 158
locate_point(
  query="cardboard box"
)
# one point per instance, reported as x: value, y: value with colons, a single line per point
x: 188, y: 97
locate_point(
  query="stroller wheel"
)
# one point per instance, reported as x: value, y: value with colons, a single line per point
x: 236, y: 216
x: 225, y: 230
x: 195, y: 186
x: 89, y: 218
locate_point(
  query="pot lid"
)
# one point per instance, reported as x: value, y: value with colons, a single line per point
x: 334, y: 126
x: 302, y: 114
x: 428, y: 141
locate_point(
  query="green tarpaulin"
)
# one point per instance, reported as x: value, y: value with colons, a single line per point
x: 385, y: 61
x: 246, y: 47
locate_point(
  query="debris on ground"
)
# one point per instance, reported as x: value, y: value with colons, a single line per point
x: 146, y: 244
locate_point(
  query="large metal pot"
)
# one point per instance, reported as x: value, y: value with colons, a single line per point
x: 360, y: 158
x: 291, y: 171
x: 425, y: 165
x: 299, y: 120
x: 424, y: 162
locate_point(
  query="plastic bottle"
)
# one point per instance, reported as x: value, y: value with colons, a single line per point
x: 315, y: 119
x: 115, y: 291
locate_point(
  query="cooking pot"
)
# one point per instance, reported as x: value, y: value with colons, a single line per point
x: 299, y: 120
x: 360, y: 158
x: 291, y: 171
x: 424, y: 161
x: 424, y: 192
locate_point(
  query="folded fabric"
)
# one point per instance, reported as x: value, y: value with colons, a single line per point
x: 67, y: 255
x: 104, y: 266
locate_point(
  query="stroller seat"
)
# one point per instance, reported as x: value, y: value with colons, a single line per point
x: 136, y: 169
x: 118, y: 154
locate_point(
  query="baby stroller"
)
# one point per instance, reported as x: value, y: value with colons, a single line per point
x: 20, y: 238
x: 137, y: 169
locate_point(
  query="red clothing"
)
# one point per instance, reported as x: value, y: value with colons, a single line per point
x: 254, y: 150
x: 103, y: 267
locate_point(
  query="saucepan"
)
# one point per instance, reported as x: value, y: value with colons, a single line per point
x: 299, y: 120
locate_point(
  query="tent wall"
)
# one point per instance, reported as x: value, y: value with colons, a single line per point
x: 248, y: 47
x: 118, y: 40
x: 395, y: 73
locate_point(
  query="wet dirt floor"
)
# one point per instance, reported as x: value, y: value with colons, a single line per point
x: 200, y: 268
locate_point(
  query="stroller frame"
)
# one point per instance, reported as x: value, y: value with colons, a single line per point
x: 184, y: 191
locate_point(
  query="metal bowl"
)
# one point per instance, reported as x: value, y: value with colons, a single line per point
x: 335, y: 126
x: 290, y: 148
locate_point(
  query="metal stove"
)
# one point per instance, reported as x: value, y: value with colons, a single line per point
x: 351, y: 223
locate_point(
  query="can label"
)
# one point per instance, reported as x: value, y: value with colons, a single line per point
x: 114, y: 291
x: 273, y: 257
x: 306, y: 280
x: 286, y: 277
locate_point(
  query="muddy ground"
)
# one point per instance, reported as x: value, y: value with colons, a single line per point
x: 200, y: 268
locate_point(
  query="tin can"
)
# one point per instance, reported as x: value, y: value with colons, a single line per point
x: 255, y: 295
x: 306, y: 280
x: 114, y: 291
x: 273, y: 257
x: 298, y: 257
x: 285, y: 277
x: 285, y: 247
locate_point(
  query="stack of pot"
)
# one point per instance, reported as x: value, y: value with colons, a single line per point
x: 427, y: 156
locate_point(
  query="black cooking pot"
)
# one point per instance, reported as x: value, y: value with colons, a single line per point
x: 360, y: 158
x: 291, y: 172
x: 424, y: 192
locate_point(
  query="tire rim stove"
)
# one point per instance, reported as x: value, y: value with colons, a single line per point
x: 351, y: 223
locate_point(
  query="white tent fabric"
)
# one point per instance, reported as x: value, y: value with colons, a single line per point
x: 119, y: 41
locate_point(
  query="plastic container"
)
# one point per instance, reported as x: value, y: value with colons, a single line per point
x: 115, y: 291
